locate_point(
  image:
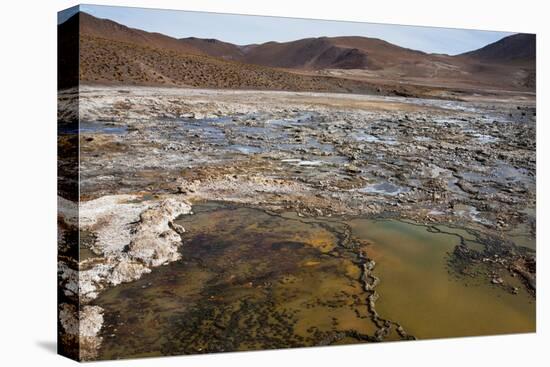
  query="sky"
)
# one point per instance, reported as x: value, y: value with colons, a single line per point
x: 247, y: 29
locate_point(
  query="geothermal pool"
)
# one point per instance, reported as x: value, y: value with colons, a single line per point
x: 252, y: 279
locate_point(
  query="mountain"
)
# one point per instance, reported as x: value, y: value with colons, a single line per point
x: 107, y: 61
x: 312, y: 53
x: 215, y: 48
x: 518, y: 47
x: 330, y: 53
x: 114, y: 53
x: 107, y: 29
x: 110, y: 53
x: 309, y: 53
x: 515, y: 55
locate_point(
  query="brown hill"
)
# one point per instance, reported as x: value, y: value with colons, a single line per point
x: 135, y: 57
x: 108, y: 61
x: 112, y: 52
x: 518, y: 47
x: 309, y: 53
x: 380, y: 59
x: 215, y: 48
x: 381, y: 53
x: 312, y: 53
x: 514, y: 56
x: 331, y: 53
x: 107, y: 29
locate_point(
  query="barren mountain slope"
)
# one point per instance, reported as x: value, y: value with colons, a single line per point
x: 107, y: 29
x: 348, y: 64
x: 518, y: 47
x: 108, y: 61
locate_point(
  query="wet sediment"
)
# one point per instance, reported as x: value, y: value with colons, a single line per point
x: 462, y: 169
x: 296, y: 295
x: 254, y: 279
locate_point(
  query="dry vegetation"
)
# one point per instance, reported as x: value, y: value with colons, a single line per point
x: 108, y: 61
x: 111, y: 53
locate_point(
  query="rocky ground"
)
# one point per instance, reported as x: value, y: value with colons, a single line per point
x: 147, y: 154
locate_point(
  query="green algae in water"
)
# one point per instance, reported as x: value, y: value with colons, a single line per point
x: 252, y: 280
x: 247, y: 280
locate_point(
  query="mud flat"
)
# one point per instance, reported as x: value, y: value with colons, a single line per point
x: 379, y: 190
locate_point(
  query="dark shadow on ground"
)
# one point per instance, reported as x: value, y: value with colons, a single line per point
x: 48, y: 345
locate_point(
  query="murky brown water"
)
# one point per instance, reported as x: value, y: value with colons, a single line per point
x: 417, y: 290
x: 252, y: 280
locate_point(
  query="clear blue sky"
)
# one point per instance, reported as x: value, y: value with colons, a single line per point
x: 245, y: 29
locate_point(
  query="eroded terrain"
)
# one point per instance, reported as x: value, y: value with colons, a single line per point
x: 461, y: 171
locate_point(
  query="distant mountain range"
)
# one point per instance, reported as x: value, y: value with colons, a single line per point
x: 113, y: 53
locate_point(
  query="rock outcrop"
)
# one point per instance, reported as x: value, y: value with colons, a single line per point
x: 131, y: 236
